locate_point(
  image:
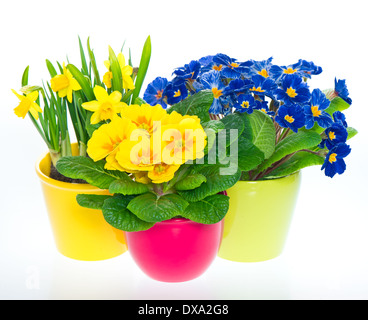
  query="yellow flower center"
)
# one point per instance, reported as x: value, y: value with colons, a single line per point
x: 315, y: 111
x: 245, y: 104
x: 289, y: 119
x: 177, y: 94
x: 216, y: 93
x: 234, y: 65
x: 263, y: 73
x: 106, y: 111
x: 291, y: 92
x: 217, y: 68
x: 290, y: 70
x: 264, y: 110
x: 160, y: 168
x: 331, y: 135
x: 159, y: 94
x: 259, y: 89
x: 332, y: 157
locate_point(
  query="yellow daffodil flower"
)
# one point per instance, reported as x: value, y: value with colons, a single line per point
x: 106, y: 106
x: 27, y: 104
x: 126, y: 72
x: 64, y: 84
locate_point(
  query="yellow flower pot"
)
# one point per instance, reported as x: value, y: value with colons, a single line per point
x: 79, y: 233
x: 259, y: 217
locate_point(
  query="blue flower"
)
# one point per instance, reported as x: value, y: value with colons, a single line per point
x: 238, y: 86
x: 189, y: 72
x: 263, y: 106
x: 261, y: 67
x: 246, y: 103
x: 263, y: 86
x: 339, y: 117
x: 315, y: 111
x: 154, y: 92
x: 334, y: 162
x: 335, y: 134
x: 175, y: 93
x: 212, y: 80
x: 228, y: 67
x: 309, y: 68
x: 294, y: 90
x: 279, y: 72
x: 342, y: 91
x: 291, y: 116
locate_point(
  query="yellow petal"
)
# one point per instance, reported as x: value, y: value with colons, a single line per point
x: 107, y: 64
x: 121, y: 59
x: 33, y: 96
x: 115, y: 97
x: 23, y: 108
x: 91, y: 105
x: 100, y: 93
x: 75, y: 85
x: 70, y: 94
x: 20, y: 97
x: 95, y: 118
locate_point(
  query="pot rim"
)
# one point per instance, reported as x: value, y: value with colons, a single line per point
x: 269, y: 180
x: 82, y: 187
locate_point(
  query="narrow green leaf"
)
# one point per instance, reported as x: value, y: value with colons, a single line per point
x: 209, y: 210
x: 83, y: 58
x: 25, y: 77
x: 152, y: 208
x: 117, y: 82
x: 51, y: 69
x: 117, y: 215
x: 143, y: 67
x: 92, y: 201
x: 93, y: 63
x: 84, y: 168
x: 83, y: 82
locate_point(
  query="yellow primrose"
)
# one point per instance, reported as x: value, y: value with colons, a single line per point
x: 27, y: 104
x: 106, y: 106
x: 126, y: 72
x: 144, y: 116
x: 142, y: 177
x: 64, y: 84
x: 162, y: 172
x: 107, y: 138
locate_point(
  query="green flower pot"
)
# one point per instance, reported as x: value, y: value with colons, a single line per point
x: 259, y: 217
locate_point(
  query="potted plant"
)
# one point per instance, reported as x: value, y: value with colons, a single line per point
x: 282, y: 127
x: 163, y: 194
x: 79, y: 233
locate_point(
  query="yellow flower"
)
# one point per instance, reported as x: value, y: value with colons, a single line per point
x: 64, y: 84
x: 106, y: 106
x: 126, y: 72
x: 106, y: 139
x: 142, y: 177
x: 27, y: 104
x: 162, y: 172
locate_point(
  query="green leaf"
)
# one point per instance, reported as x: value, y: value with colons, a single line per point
x: 336, y: 103
x: 292, y: 144
x: 153, y: 208
x: 143, y: 67
x: 215, y: 183
x: 93, y: 63
x: 232, y: 122
x: 297, y: 162
x: 351, y: 132
x: 249, y: 156
x: 127, y: 186
x: 117, y: 215
x: 90, y: 128
x: 83, y: 58
x: 196, y: 105
x: 83, y: 82
x: 51, y: 69
x: 117, y: 80
x: 25, y: 77
x: 85, y: 168
x: 209, y: 210
x: 191, y: 181
x: 211, y: 128
x: 260, y: 130
x: 92, y: 201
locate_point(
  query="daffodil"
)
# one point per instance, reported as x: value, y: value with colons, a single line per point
x: 64, y: 84
x: 106, y: 106
x: 27, y: 104
x: 126, y: 73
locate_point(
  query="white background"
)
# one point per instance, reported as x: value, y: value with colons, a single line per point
x: 326, y: 255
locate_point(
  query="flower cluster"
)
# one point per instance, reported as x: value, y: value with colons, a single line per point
x: 282, y: 92
x: 148, y: 142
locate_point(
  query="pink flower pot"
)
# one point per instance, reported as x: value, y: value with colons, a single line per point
x: 175, y: 250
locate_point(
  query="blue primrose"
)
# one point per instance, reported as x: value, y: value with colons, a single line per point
x: 238, y: 86
x: 154, y: 92
x: 291, y: 116
x: 309, y: 68
x: 246, y: 103
x: 189, y: 72
x: 261, y: 68
x: 342, y: 90
x: 339, y: 117
x: 335, y: 134
x: 212, y: 80
x: 279, y: 72
x: 175, y: 93
x: 263, y: 106
x: 228, y: 67
x: 294, y: 90
x: 314, y: 112
x: 334, y: 162
x: 263, y: 86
